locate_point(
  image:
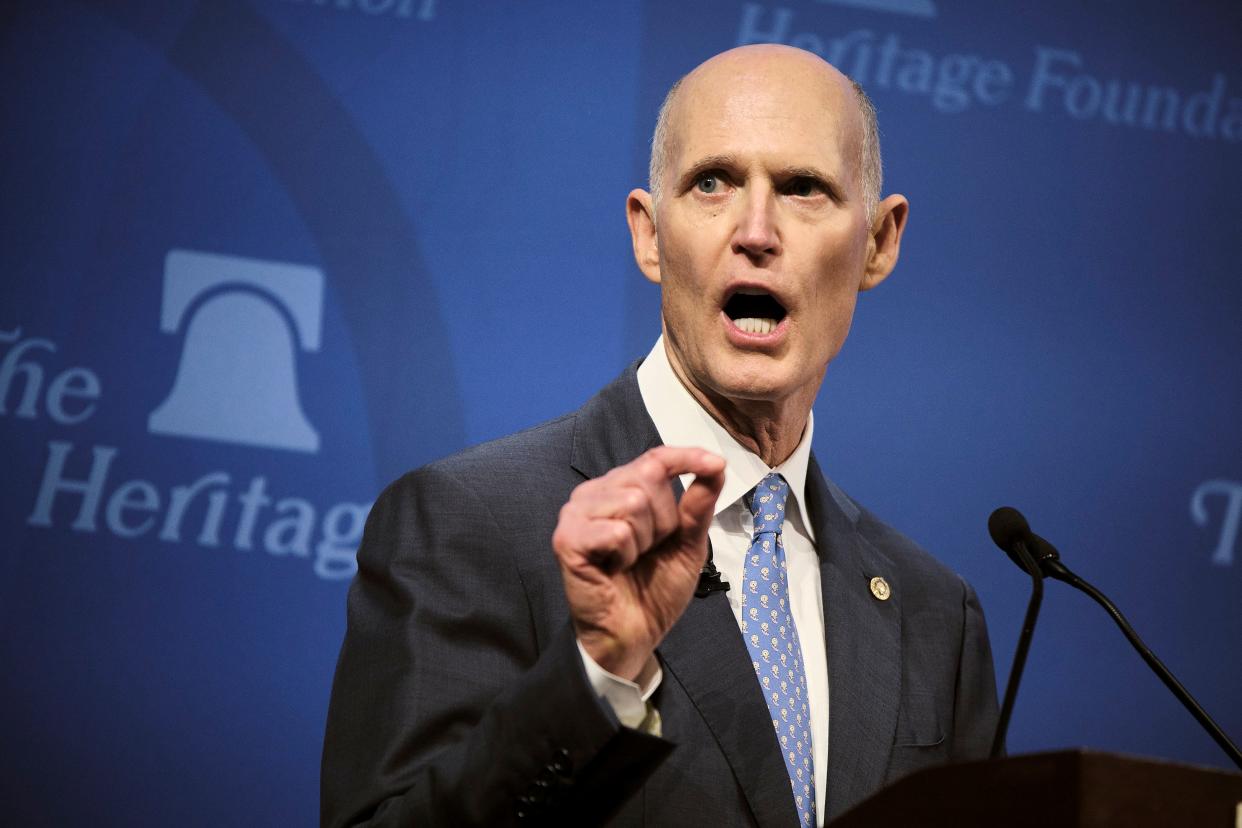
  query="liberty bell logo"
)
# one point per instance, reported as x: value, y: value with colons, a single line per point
x: 242, y: 323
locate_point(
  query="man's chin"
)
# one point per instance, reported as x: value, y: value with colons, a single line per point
x: 728, y: 374
x: 753, y: 383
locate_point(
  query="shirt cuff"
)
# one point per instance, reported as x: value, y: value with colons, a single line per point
x: 628, y: 700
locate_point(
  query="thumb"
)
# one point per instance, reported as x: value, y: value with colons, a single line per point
x: 698, y: 504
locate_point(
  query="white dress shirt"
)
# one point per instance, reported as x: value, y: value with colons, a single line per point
x: 681, y: 421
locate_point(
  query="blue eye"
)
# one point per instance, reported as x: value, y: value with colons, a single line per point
x: 803, y: 187
x: 707, y: 183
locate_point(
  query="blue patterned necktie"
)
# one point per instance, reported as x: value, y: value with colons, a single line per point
x: 772, y: 639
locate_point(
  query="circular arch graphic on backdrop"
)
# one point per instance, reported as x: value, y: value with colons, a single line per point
x: 340, y: 204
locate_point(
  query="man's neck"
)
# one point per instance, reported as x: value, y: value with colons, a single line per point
x: 771, y: 429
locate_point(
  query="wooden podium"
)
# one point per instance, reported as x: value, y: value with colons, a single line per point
x: 1065, y: 789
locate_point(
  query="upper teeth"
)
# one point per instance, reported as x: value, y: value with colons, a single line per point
x: 750, y: 324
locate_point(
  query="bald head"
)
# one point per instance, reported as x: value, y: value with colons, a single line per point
x: 836, y: 94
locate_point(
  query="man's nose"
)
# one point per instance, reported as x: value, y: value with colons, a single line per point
x: 757, y: 234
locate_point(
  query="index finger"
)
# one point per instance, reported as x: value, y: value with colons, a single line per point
x: 667, y: 462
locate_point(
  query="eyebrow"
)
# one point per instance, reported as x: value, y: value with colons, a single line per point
x: 835, y: 189
x: 711, y: 162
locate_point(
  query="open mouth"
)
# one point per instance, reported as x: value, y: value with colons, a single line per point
x: 754, y: 312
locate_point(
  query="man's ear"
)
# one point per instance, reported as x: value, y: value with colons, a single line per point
x: 640, y: 214
x: 885, y: 242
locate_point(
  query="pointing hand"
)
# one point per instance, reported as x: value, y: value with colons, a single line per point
x: 630, y: 553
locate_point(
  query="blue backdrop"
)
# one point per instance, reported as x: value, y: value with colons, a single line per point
x: 262, y: 257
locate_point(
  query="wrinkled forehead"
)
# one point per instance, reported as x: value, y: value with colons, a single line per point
x: 776, y: 107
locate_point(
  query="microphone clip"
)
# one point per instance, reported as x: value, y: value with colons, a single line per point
x: 709, y: 578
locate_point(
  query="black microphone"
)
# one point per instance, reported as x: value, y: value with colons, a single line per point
x: 709, y: 578
x: 1015, y: 530
x: 1009, y: 531
x: 1007, y: 526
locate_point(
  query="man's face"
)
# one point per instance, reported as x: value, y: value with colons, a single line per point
x: 762, y: 232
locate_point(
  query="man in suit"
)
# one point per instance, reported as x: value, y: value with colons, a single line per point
x: 539, y: 629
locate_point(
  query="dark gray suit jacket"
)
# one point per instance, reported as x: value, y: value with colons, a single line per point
x: 460, y: 697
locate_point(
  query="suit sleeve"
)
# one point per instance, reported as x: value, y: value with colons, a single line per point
x: 444, y: 709
x: 975, y: 711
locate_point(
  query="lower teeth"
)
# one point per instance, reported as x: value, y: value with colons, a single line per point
x: 755, y: 326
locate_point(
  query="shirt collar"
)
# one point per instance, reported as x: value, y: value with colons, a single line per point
x: 681, y: 421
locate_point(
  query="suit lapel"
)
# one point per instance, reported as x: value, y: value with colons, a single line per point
x: 704, y: 651
x: 864, y: 647
x: 612, y: 428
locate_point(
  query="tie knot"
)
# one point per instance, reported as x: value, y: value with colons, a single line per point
x: 768, y: 504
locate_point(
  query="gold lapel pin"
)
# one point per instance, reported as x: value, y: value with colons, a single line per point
x: 880, y: 588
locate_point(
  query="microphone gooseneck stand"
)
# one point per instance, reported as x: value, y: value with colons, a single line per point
x: 1012, y: 532
x: 1024, y: 644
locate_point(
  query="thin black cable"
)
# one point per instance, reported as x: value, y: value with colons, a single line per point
x: 1059, y: 571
